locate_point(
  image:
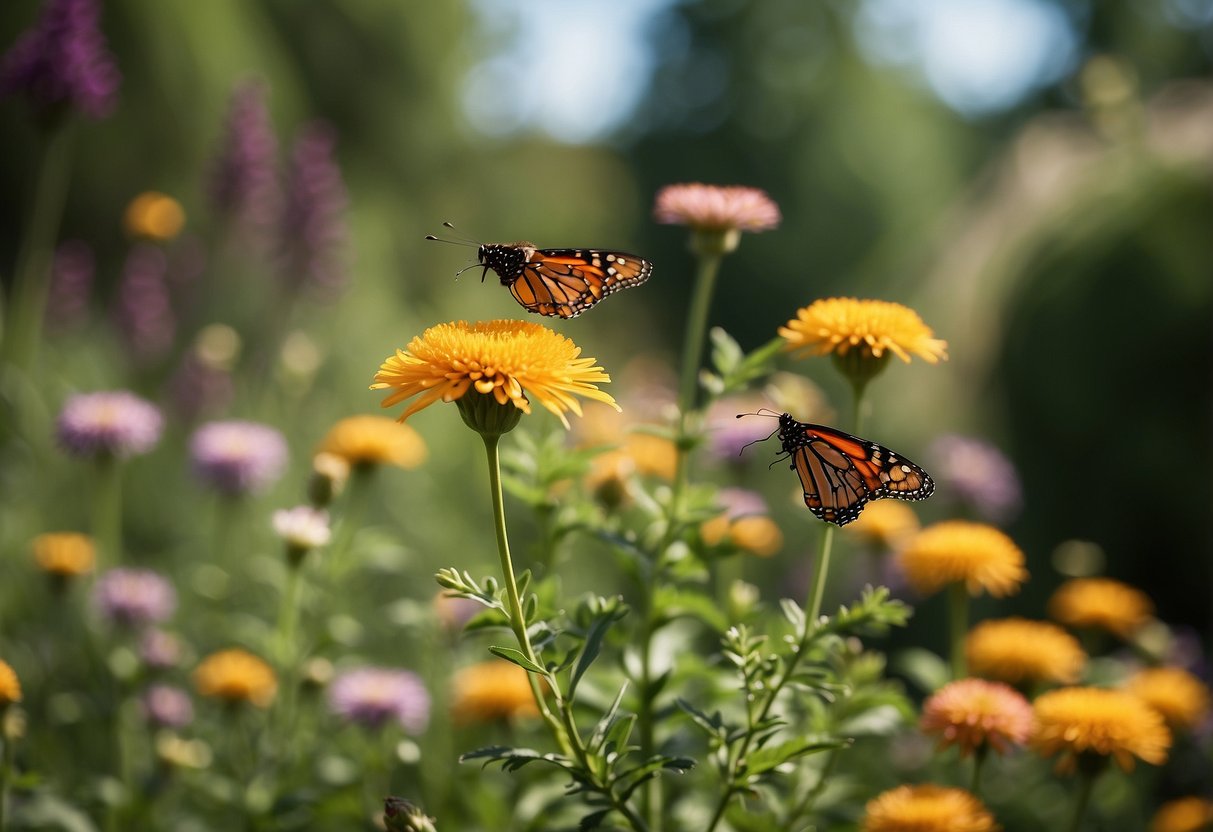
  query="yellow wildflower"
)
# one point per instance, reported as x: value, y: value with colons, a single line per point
x: 10, y: 685
x: 980, y: 556
x: 1085, y: 722
x: 872, y: 327
x: 374, y: 440
x: 492, y: 690
x: 1180, y: 697
x: 154, y: 216
x: 1188, y: 814
x: 64, y: 554
x: 236, y: 676
x: 927, y: 808
x: 1017, y: 650
x: 1101, y: 603
x: 887, y: 524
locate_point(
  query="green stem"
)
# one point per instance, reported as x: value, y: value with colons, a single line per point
x: 979, y: 761
x: 806, y: 805
x: 107, y: 510
x: 958, y: 623
x: 6, y: 765
x: 1086, y: 784
x: 288, y: 657
x: 356, y: 501
x: 697, y: 325
x: 31, y: 272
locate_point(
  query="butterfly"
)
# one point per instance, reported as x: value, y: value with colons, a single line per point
x: 841, y: 473
x: 560, y: 282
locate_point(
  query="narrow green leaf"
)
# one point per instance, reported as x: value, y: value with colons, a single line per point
x: 517, y: 657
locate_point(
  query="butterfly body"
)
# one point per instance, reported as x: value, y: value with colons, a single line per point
x: 561, y: 282
x: 841, y: 473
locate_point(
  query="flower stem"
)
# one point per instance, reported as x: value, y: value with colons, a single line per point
x: 6, y: 765
x: 356, y: 502
x: 107, y: 509
x: 1086, y: 784
x: 697, y: 325
x: 958, y: 624
x: 979, y: 761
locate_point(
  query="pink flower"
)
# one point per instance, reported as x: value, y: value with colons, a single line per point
x: 716, y: 208
x: 973, y: 713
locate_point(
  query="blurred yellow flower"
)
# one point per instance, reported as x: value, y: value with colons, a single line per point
x: 65, y: 554
x: 374, y: 440
x: 927, y: 808
x: 1017, y: 650
x: 887, y: 524
x: 957, y: 551
x: 1181, y: 698
x: 1102, y: 604
x: 10, y: 686
x: 608, y: 477
x: 972, y: 713
x: 236, y: 676
x: 755, y: 533
x: 506, y: 360
x: 1188, y: 814
x: 1078, y: 722
x: 872, y: 327
x: 154, y: 216
x: 492, y: 690
x: 655, y: 456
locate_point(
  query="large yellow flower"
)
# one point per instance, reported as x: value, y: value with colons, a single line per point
x: 65, y: 554
x: 927, y: 808
x: 508, y: 360
x: 236, y: 676
x: 1188, y: 814
x: 957, y: 551
x: 974, y: 713
x: 1101, y: 603
x: 1180, y: 697
x: 492, y: 690
x: 838, y: 325
x: 887, y: 524
x: 1017, y: 650
x: 10, y: 686
x: 374, y: 440
x: 1086, y: 722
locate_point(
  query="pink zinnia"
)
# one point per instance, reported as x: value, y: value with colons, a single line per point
x: 973, y: 713
x: 716, y: 208
x: 374, y: 696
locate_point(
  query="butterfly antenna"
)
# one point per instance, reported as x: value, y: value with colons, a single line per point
x: 458, y: 241
x: 764, y: 439
x: 769, y: 413
x: 465, y: 268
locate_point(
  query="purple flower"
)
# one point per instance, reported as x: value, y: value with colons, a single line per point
x: 741, y: 502
x: 71, y: 281
x: 978, y: 474
x: 63, y: 61
x: 199, y: 388
x: 165, y: 706
x: 244, y: 182
x: 160, y: 650
x: 728, y: 434
x: 144, y: 311
x: 114, y: 423
x: 312, y: 231
x: 134, y: 597
x: 373, y: 696
x: 237, y: 457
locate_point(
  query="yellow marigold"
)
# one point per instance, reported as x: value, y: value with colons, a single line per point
x: 154, y: 216
x: 507, y: 360
x: 236, y: 676
x: 1101, y: 603
x: 927, y: 808
x: 836, y: 325
x: 64, y: 554
x: 1086, y: 722
x: 652, y: 455
x: 972, y: 713
x: 1180, y: 697
x: 885, y: 523
x: 1017, y: 650
x: 1188, y: 814
x: 374, y: 440
x: 492, y: 690
x: 954, y: 551
x: 10, y: 686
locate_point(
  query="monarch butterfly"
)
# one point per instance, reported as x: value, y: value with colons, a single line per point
x: 559, y: 281
x: 841, y: 473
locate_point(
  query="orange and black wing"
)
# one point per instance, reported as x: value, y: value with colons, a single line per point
x: 566, y: 282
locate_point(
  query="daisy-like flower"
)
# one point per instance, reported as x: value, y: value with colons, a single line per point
x: 1019, y: 651
x: 886, y: 524
x: 1180, y: 697
x: 1188, y: 814
x: 134, y: 597
x: 745, y: 523
x: 374, y: 440
x: 10, y: 686
x: 927, y: 808
x: 979, y: 474
x: 716, y: 208
x: 235, y: 676
x: 303, y: 527
x: 165, y: 706
x: 237, y: 457
x: 64, y: 554
x: 1101, y: 604
x: 973, y: 713
x: 502, y: 363
x: 490, y: 691
x: 1090, y: 723
x: 108, y: 423
x: 955, y: 551
x: 154, y: 216
x: 374, y: 696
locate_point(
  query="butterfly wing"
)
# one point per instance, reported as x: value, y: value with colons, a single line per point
x: 566, y: 282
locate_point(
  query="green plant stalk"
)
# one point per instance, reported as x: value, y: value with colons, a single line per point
x: 1086, y: 784
x: 31, y: 272
x: 810, y: 798
x: 107, y: 509
x: 979, y: 761
x: 356, y: 501
x: 958, y: 624
x: 6, y: 766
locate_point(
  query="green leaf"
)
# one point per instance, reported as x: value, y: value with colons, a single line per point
x: 771, y: 757
x: 592, y: 820
x: 713, y: 726
x: 518, y: 658
x: 922, y: 667
x: 671, y: 602
x: 609, y: 614
x: 881, y: 721
x: 598, y: 735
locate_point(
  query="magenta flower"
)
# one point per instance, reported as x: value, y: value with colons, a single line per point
x: 144, y: 311
x: 979, y: 475
x: 313, y: 231
x: 63, y: 61
x: 160, y: 650
x: 716, y: 208
x: 108, y: 423
x: 165, y: 706
x: 244, y: 181
x: 374, y: 696
x: 237, y: 457
x: 134, y: 597
x: 71, y: 282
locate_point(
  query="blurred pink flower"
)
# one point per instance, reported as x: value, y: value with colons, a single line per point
x: 716, y: 207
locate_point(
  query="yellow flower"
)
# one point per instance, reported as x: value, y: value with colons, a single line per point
x: 1101, y: 603
x: 608, y: 477
x: 972, y: 713
x: 236, y: 676
x: 652, y: 455
x: 492, y: 690
x: 1017, y: 650
x: 10, y: 686
x: 374, y: 440
x: 885, y: 523
x: 507, y: 360
x: 154, y: 216
x: 836, y: 325
x: 1188, y: 814
x: 1180, y: 697
x: 956, y: 550
x: 927, y: 808
x: 1091, y: 722
x: 65, y: 554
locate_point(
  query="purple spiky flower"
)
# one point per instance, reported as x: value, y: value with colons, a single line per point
x: 312, y: 230
x: 144, y: 310
x: 134, y: 597
x: 244, y: 180
x: 374, y: 696
x: 978, y: 474
x: 237, y: 457
x: 72, y: 273
x: 166, y: 706
x: 113, y: 422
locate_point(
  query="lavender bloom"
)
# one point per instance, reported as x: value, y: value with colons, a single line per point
x: 302, y: 527
x: 728, y: 434
x: 165, y: 706
x: 144, y: 310
x: 244, y: 185
x: 313, y: 229
x: 114, y: 423
x: 741, y: 502
x: 979, y: 474
x: 199, y: 388
x: 63, y: 61
x: 71, y: 281
x: 373, y: 696
x: 237, y: 457
x: 134, y: 597
x: 160, y: 650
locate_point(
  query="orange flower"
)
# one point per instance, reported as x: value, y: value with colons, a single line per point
x: 1078, y: 722
x: 1101, y: 603
x: 236, y: 676
x: 956, y: 551
x: 1188, y: 814
x: 492, y: 690
x: 927, y: 808
x: 65, y: 554
x: 885, y: 523
x: 972, y: 713
x: 374, y: 440
x: 10, y: 685
x: 1180, y: 697
x: 1017, y: 650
